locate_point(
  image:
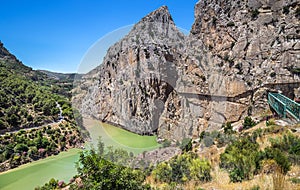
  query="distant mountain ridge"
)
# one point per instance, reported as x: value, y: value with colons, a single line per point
x: 60, y: 76
x: 28, y: 97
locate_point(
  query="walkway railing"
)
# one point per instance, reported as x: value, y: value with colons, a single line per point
x: 283, y: 105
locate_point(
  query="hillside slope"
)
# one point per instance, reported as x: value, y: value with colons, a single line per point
x: 36, y: 116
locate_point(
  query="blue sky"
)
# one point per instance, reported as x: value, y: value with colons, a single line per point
x: 56, y: 34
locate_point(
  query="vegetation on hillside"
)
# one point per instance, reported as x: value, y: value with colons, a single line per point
x: 182, y: 168
x: 30, y: 123
x: 27, y: 145
x: 243, y: 157
x: 26, y: 103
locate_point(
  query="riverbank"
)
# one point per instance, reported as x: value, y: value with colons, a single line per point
x: 28, y: 176
x: 62, y: 166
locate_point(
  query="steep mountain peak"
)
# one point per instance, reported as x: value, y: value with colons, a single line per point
x: 157, y: 27
x: 161, y: 14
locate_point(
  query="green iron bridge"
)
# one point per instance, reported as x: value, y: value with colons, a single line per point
x: 284, y: 106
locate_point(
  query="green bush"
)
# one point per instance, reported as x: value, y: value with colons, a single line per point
x: 290, y: 145
x: 240, y: 159
x: 254, y: 13
x: 280, y: 158
x: 102, y: 174
x: 183, y: 168
x: 186, y: 144
x: 21, y: 148
x: 163, y: 172
x: 208, y: 141
x: 295, y: 180
x: 248, y: 123
x: 166, y: 143
x: 228, y: 129
x: 270, y: 122
x: 230, y: 24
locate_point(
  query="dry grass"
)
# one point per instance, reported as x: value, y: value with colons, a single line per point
x: 274, y: 180
x: 221, y: 181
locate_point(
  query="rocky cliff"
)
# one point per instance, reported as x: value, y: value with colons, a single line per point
x: 157, y: 80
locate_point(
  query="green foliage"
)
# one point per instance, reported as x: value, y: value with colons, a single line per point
x: 218, y: 138
x: 240, y: 159
x: 23, y: 91
x: 2, y: 124
x: 272, y: 74
x: 186, y: 144
x: 270, y: 122
x: 295, y: 180
x: 248, y: 123
x: 228, y: 129
x: 208, y: 141
x: 19, y: 148
x: 183, y: 168
x: 290, y: 145
x: 254, y: 13
x: 51, y: 185
x: 36, y: 143
x: 118, y: 155
x: 166, y: 143
x: 243, y: 159
x: 286, y: 10
x: 230, y: 24
x: 163, y: 172
x: 280, y: 158
x: 202, y: 134
x: 100, y: 146
x: 99, y: 173
x: 209, y: 138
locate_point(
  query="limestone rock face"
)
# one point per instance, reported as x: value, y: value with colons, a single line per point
x: 137, y: 75
x: 157, y: 80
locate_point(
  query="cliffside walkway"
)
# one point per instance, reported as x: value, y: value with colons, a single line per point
x: 283, y: 105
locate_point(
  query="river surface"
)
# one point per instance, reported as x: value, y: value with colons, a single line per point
x: 62, y: 166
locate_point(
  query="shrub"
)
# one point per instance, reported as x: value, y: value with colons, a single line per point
x: 230, y: 24
x: 248, y: 123
x: 228, y: 128
x: 182, y: 168
x: 286, y: 10
x: 280, y: 158
x: 240, y: 159
x: 202, y: 134
x: 272, y: 74
x: 208, y: 141
x: 102, y: 174
x: 290, y: 144
x: 163, y: 172
x: 270, y: 122
x: 295, y: 180
x: 254, y: 13
x: 166, y: 143
x: 21, y: 148
x: 186, y: 144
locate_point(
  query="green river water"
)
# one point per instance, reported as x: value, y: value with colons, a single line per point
x: 62, y: 166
